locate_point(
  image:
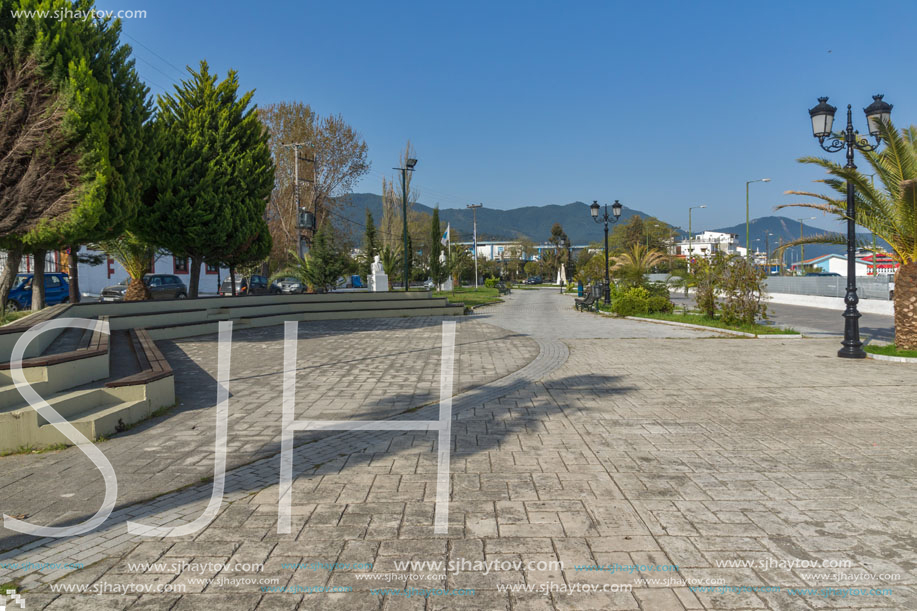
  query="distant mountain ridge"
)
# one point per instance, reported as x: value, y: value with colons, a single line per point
x: 534, y: 223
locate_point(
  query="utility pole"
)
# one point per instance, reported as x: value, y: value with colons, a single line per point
x: 748, y: 218
x: 299, y: 211
x: 474, y: 216
x: 408, y: 167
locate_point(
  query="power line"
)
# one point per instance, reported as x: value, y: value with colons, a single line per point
x: 164, y: 60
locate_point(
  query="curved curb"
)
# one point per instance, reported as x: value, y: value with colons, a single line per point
x: 718, y: 329
x: 893, y: 359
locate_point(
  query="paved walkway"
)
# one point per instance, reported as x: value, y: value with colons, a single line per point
x: 349, y: 369
x: 629, y: 443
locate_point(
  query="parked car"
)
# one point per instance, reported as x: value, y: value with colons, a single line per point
x: 162, y: 286
x: 248, y: 285
x: 290, y: 286
x: 823, y: 274
x: 429, y: 285
x: 57, y: 290
x: 533, y: 280
x: 350, y: 282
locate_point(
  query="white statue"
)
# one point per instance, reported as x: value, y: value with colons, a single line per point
x: 378, y: 280
x: 442, y: 258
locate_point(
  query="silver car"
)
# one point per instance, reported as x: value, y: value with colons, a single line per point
x: 290, y: 286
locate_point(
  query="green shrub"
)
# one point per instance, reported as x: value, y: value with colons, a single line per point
x: 631, y: 302
x: 658, y: 289
x: 658, y: 303
x: 490, y: 282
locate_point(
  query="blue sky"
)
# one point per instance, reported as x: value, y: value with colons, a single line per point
x: 660, y: 105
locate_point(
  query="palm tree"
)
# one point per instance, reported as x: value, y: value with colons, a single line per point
x: 297, y: 267
x: 889, y: 211
x: 391, y: 261
x: 137, y: 258
x: 633, y: 265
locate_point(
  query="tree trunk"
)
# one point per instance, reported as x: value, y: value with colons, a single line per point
x: 232, y: 280
x: 13, y: 260
x: 74, y: 269
x: 38, y: 280
x: 137, y: 290
x: 906, y: 307
x: 194, y: 280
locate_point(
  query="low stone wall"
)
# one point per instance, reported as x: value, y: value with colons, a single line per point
x: 866, y: 306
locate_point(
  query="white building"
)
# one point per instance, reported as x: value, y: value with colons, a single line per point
x: 497, y: 250
x: 837, y: 264
x: 708, y: 243
x: 93, y: 278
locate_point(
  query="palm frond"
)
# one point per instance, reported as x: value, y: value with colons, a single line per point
x: 822, y: 238
x: 826, y: 208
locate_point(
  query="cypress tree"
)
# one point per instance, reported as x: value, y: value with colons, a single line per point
x: 370, y: 246
x: 70, y: 136
x: 438, y: 269
x: 213, y: 175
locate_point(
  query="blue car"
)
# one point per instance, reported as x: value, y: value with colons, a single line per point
x: 57, y: 290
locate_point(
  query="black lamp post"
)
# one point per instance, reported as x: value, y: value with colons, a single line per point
x: 822, y: 119
x: 615, y: 215
x: 409, y: 167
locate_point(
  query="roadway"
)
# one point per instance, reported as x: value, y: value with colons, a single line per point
x: 818, y: 321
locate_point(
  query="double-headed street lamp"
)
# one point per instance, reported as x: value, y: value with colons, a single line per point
x: 747, y: 217
x: 409, y: 167
x: 615, y: 215
x: 691, y: 235
x: 822, y: 116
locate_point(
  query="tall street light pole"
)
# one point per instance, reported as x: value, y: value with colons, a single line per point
x: 615, y: 215
x: 474, y: 216
x: 802, y: 247
x: 408, y: 167
x: 877, y: 114
x: 875, y: 258
x: 748, y: 218
x: 691, y: 235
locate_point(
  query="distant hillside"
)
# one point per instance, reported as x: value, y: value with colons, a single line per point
x: 533, y: 222
x: 787, y: 229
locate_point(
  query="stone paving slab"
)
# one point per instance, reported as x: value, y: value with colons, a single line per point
x: 371, y: 368
x: 696, y: 453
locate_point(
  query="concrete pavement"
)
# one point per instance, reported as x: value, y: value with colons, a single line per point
x: 636, y: 459
x: 818, y: 321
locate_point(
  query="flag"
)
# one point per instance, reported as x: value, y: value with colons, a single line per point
x: 445, y: 238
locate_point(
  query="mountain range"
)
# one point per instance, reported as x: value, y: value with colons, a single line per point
x: 534, y: 223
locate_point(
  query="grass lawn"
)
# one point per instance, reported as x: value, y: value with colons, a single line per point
x: 8, y: 317
x: 471, y: 296
x: 890, y: 351
x: 700, y: 319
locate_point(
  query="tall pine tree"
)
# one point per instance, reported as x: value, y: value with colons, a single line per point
x: 439, y: 270
x: 370, y: 246
x: 213, y: 177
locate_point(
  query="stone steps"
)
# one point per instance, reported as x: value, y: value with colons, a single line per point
x: 93, y: 412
